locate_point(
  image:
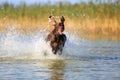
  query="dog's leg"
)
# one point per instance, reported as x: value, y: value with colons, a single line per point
x: 54, y: 50
x: 60, y: 48
x: 54, y: 46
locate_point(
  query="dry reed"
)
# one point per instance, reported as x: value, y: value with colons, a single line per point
x: 87, y: 25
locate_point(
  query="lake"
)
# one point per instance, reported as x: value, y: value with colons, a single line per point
x: 29, y: 57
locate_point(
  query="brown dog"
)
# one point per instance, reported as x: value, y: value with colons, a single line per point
x: 56, y: 37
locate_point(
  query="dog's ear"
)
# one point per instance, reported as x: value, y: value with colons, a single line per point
x: 50, y: 16
x: 62, y: 19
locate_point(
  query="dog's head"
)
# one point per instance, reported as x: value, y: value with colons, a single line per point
x: 62, y: 19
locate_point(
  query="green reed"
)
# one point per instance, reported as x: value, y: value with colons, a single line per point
x: 79, y: 10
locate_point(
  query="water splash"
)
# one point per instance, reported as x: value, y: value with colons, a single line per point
x: 15, y: 45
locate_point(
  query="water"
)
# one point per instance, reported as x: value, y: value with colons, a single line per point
x: 29, y: 57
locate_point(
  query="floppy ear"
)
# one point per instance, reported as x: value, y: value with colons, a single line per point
x: 50, y: 16
x: 62, y: 19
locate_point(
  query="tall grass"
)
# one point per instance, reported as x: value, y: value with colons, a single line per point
x: 85, y: 17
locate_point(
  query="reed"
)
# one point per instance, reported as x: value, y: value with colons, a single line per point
x: 89, y: 18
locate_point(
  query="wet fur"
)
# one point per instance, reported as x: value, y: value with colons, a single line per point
x: 57, y: 41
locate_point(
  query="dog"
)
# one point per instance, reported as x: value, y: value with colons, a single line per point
x: 57, y: 38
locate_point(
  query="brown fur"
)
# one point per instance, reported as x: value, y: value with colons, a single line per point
x: 56, y: 37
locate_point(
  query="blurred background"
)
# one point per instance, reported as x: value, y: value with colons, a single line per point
x: 83, y: 16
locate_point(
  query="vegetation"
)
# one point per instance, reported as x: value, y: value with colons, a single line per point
x: 85, y: 17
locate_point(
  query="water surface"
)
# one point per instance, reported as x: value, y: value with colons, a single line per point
x: 29, y: 57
